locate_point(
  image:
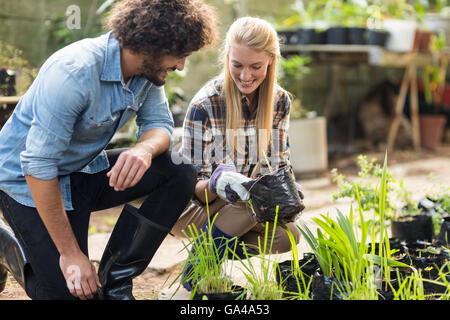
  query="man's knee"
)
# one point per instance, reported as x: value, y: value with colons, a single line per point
x: 183, y: 172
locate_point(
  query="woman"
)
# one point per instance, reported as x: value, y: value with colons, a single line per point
x: 236, y: 129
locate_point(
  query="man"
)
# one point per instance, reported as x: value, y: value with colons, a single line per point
x: 53, y: 167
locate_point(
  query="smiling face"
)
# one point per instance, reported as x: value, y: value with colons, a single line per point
x: 248, y: 68
x: 156, y: 70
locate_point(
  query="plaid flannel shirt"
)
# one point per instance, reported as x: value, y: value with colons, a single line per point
x: 204, y: 143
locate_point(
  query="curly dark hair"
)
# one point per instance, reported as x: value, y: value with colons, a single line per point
x: 163, y: 27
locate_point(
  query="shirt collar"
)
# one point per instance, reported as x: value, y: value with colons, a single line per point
x: 246, y: 109
x: 111, y: 67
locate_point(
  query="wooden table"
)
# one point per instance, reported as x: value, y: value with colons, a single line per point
x: 9, y: 100
x: 351, y: 55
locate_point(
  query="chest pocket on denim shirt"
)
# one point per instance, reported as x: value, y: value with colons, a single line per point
x: 92, y: 128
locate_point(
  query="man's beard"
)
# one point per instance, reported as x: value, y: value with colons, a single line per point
x: 150, y: 70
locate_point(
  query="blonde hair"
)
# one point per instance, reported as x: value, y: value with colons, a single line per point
x: 256, y: 34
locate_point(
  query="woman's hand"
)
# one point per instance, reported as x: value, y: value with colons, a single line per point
x: 227, y: 183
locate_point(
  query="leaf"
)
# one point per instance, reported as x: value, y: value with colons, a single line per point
x: 104, y: 6
x: 376, y: 259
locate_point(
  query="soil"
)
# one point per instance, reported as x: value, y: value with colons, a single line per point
x: 414, y: 167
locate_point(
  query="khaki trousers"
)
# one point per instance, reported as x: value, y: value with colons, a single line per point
x: 234, y: 219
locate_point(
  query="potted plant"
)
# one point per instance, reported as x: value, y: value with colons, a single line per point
x: 355, y: 20
x: 206, y: 262
x: 438, y: 200
x: 437, y: 17
x: 354, y: 264
x: 295, y: 276
x: 311, y: 29
x: 357, y: 260
x: 337, y: 32
x: 376, y: 34
x: 412, y: 222
x: 432, y: 121
x: 258, y: 268
x: 299, y: 28
x: 407, y: 220
x: 400, y: 20
x: 347, y: 265
x: 207, y: 273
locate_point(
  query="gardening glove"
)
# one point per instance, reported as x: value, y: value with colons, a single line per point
x: 300, y: 191
x: 227, y: 183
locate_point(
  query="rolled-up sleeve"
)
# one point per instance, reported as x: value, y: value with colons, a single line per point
x: 58, y: 102
x: 155, y: 113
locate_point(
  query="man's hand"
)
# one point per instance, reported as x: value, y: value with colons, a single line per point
x: 129, y: 168
x: 81, y: 278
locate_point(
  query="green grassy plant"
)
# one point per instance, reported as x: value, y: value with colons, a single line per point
x: 207, y: 272
x: 341, y: 246
x: 208, y: 268
x: 261, y: 281
x: 303, y: 281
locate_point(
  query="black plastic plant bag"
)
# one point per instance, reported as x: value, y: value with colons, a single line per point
x: 285, y: 275
x: 326, y: 288
x: 444, y: 233
x: 411, y: 228
x: 236, y: 293
x: 275, y: 189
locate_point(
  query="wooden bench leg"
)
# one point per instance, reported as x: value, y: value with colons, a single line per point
x: 399, y: 108
x: 414, y: 107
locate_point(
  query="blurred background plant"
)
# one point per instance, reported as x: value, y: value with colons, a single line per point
x: 21, y: 74
x: 292, y: 70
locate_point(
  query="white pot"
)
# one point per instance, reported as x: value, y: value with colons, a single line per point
x: 308, y: 142
x: 401, y: 34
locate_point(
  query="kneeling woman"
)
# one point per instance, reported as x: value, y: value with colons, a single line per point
x: 236, y: 129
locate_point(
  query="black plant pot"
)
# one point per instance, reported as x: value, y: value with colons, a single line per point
x: 319, y: 37
x: 377, y: 37
x: 394, y: 243
x: 357, y: 35
x: 411, y: 228
x: 289, y: 37
x: 444, y: 233
x: 305, y: 36
x: 430, y: 261
x: 337, y: 35
x: 292, y: 284
x: 385, y: 291
x: 326, y: 288
x: 430, y: 287
x: 236, y: 293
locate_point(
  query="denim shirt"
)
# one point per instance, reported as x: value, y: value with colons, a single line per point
x: 70, y: 113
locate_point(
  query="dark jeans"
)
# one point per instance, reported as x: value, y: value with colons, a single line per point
x: 168, y: 188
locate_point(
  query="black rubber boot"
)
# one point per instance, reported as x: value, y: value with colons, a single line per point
x: 12, y: 258
x: 130, y: 248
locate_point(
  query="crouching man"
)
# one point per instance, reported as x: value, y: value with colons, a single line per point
x: 54, y: 170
